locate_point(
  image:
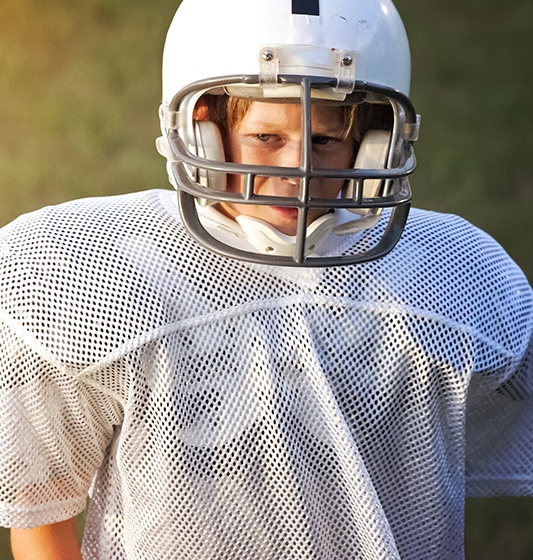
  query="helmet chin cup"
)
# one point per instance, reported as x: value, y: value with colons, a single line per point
x: 269, y: 241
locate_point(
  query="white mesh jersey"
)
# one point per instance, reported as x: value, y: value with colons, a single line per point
x: 224, y: 410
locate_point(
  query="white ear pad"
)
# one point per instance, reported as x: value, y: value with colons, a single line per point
x: 208, y: 145
x: 372, y: 154
x: 163, y: 147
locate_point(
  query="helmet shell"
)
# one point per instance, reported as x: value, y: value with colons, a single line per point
x: 210, y: 38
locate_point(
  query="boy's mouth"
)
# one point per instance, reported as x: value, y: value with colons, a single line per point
x: 287, y: 212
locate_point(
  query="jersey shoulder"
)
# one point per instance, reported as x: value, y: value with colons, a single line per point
x: 84, y: 269
x: 460, y: 273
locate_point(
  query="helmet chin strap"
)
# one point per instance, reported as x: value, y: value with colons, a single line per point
x: 264, y: 237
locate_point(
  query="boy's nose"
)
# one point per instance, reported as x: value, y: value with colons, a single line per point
x: 290, y: 154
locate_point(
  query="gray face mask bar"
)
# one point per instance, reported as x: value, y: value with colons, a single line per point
x: 400, y: 163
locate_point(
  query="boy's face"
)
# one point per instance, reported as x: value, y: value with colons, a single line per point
x: 271, y: 134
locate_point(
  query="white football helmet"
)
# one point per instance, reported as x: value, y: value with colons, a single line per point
x: 331, y: 52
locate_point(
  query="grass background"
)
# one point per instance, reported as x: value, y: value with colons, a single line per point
x: 80, y: 89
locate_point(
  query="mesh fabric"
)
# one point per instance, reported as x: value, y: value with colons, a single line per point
x: 223, y: 410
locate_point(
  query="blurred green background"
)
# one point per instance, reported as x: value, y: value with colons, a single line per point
x: 80, y: 89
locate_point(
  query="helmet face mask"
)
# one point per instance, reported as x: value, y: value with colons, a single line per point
x: 238, y: 206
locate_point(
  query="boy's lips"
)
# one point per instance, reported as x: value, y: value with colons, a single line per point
x: 286, y: 211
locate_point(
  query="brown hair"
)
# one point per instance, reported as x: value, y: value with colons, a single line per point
x: 227, y: 112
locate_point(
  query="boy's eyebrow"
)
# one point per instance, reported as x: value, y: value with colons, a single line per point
x: 327, y: 129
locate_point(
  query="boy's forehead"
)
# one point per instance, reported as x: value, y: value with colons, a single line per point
x: 260, y: 111
x: 284, y: 108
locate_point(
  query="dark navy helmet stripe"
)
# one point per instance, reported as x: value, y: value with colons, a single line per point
x: 306, y: 7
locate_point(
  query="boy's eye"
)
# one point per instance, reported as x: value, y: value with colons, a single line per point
x: 323, y: 140
x: 263, y: 137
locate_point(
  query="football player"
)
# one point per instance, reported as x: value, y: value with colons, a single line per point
x: 282, y: 360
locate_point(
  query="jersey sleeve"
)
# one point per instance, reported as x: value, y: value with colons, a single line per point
x: 499, y: 460
x: 499, y: 423
x: 54, y: 430
x: 55, y: 425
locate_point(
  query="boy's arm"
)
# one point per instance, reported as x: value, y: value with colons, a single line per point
x: 49, y: 542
